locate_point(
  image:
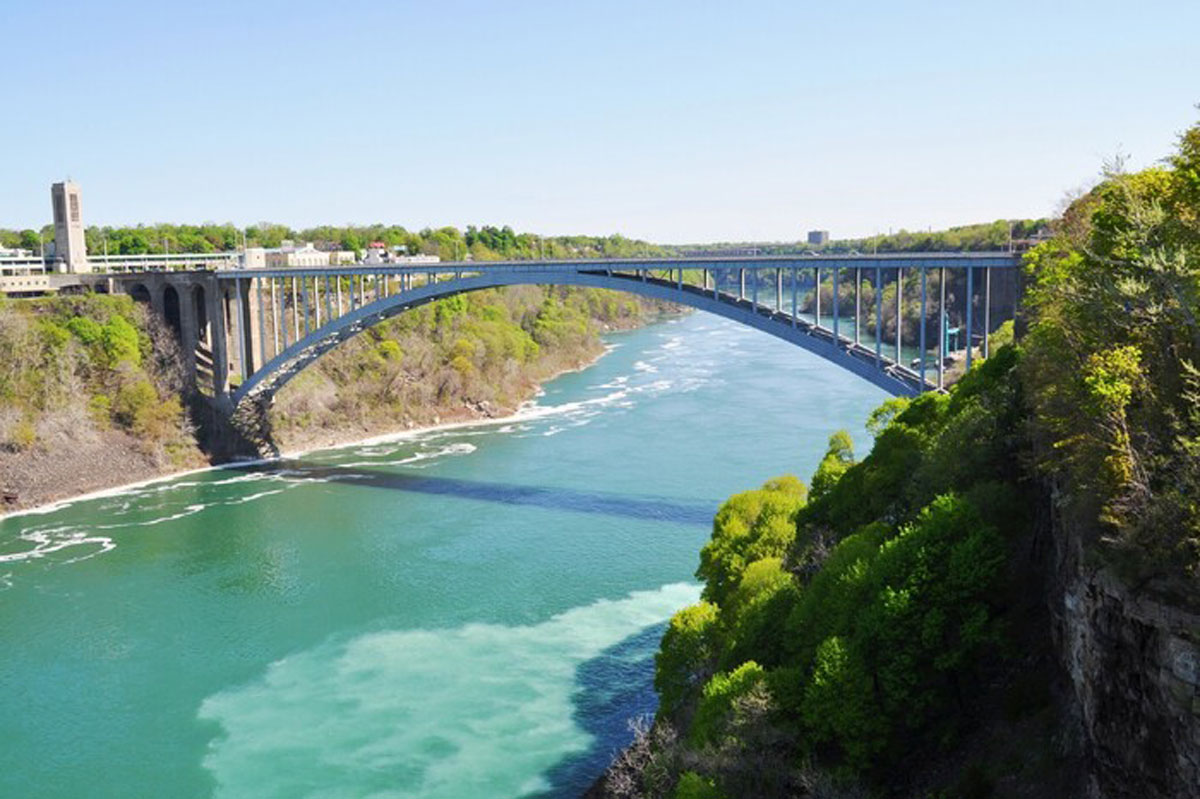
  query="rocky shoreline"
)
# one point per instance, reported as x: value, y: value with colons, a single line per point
x: 114, y: 460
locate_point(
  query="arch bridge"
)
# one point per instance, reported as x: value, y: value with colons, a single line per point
x: 905, y: 323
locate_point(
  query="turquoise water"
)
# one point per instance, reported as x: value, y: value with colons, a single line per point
x: 461, y: 613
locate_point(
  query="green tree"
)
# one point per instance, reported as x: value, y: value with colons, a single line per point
x: 685, y: 657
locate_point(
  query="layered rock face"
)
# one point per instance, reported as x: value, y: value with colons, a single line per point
x: 1134, y: 664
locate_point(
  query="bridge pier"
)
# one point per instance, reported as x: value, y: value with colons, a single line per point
x: 218, y: 324
x: 189, y: 333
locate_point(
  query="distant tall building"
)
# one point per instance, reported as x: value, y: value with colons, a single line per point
x: 818, y: 237
x: 70, y: 248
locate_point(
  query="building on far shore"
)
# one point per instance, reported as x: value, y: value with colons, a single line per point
x: 253, y: 258
x: 818, y: 237
x: 291, y: 255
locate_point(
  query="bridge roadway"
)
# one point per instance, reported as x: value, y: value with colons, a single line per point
x: 268, y: 324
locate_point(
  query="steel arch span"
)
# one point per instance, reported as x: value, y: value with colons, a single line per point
x: 235, y: 318
x: 265, y: 382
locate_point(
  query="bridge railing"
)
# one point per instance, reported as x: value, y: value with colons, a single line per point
x: 909, y: 322
x: 922, y: 319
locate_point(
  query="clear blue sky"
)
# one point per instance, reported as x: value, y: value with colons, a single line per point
x: 671, y: 121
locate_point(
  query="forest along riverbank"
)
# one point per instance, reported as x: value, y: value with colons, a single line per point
x: 464, y: 612
x: 94, y: 396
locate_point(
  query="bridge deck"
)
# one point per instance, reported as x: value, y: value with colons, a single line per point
x: 268, y: 324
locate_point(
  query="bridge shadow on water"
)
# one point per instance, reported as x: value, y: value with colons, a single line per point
x: 611, y: 688
x: 633, y: 506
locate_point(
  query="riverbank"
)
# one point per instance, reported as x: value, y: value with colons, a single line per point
x: 112, y: 463
x: 458, y: 362
x: 298, y: 442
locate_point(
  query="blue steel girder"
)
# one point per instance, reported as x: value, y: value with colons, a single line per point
x: 621, y: 275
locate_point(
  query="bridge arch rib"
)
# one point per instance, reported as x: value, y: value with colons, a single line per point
x: 276, y: 373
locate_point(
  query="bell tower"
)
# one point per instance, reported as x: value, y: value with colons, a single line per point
x: 70, y: 248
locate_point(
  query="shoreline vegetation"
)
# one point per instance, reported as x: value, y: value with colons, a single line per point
x: 317, y: 445
x: 96, y: 401
x: 1002, y: 598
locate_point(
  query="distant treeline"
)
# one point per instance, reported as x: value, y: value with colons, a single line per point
x: 985, y: 236
x: 481, y: 243
x: 491, y: 243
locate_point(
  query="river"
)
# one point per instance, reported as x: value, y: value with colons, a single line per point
x: 459, y: 613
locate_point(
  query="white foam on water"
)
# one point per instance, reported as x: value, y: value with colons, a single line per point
x: 48, y: 540
x: 482, y: 710
x: 617, y: 382
x: 252, y: 497
x: 188, y: 510
x: 457, y: 448
x: 673, y: 343
x: 643, y: 366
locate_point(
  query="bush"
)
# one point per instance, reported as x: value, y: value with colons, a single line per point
x: 132, y: 402
x: 693, y: 786
x: 120, y: 341
x: 684, y: 659
x: 100, y: 411
x: 22, y: 436
x: 718, y: 697
x: 748, y: 527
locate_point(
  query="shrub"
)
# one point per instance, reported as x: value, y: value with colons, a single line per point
x: 100, y: 410
x: 693, y: 786
x: 718, y: 697
x: 87, y: 330
x: 121, y: 341
x: 22, y: 436
x: 684, y: 658
x: 749, y: 526
x: 838, y: 458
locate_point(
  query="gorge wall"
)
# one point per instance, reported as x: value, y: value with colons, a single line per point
x: 1133, y: 664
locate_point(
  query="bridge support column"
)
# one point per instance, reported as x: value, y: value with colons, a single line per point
x: 941, y: 328
x: 970, y: 307
x: 878, y: 315
x: 255, y: 326
x: 899, y: 313
x: 189, y: 331
x: 274, y: 319
x: 295, y: 309
x: 837, y: 341
x: 218, y: 324
x: 924, y: 323
x: 857, y: 303
x: 304, y: 301
x: 817, y: 296
x: 244, y: 318
x: 987, y: 308
x: 795, y: 304
x: 778, y: 289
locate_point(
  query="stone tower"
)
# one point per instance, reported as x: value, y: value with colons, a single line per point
x: 70, y: 249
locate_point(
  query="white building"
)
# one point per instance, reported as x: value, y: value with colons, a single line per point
x: 291, y: 255
x: 253, y: 258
